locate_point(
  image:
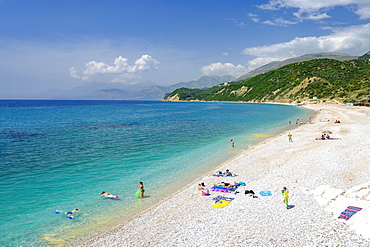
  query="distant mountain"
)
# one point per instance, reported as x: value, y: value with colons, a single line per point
x: 149, y: 92
x: 158, y: 92
x: 87, y: 90
x: 316, y: 80
x: 307, y: 57
x: 365, y: 56
x: 110, y: 94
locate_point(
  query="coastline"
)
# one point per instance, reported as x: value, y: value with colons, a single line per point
x: 186, y: 218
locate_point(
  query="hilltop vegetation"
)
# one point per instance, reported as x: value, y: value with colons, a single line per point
x: 307, y: 57
x: 321, y: 79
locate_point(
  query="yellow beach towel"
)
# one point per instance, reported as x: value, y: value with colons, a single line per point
x: 221, y: 204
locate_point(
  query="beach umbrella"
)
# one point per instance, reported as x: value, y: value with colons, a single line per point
x: 327, y: 132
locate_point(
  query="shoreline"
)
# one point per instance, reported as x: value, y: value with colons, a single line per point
x: 86, y: 240
x: 185, y: 202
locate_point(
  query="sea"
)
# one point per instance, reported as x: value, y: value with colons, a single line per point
x: 57, y: 155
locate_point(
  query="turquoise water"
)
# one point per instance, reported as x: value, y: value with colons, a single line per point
x: 59, y: 155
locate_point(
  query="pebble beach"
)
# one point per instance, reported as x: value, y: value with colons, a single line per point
x: 323, y: 178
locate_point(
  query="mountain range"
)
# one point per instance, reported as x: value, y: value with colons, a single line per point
x: 320, y: 79
x: 151, y: 91
x: 140, y: 91
x: 306, y: 57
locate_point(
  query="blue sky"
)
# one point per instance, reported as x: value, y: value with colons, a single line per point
x: 49, y: 44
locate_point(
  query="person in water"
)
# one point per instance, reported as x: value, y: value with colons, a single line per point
x: 141, y: 188
x: 107, y: 194
x: 232, y: 143
x: 69, y: 214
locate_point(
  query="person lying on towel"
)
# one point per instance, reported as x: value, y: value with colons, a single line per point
x: 224, y: 184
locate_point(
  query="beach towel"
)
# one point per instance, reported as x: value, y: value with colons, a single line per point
x: 219, y: 198
x: 349, y: 212
x: 223, y: 175
x: 221, y: 204
x: 222, y: 189
x: 265, y: 193
x: 219, y: 175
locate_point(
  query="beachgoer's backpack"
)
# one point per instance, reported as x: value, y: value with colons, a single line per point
x: 249, y: 192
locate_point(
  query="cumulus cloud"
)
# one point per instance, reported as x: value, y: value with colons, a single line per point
x: 120, y: 66
x: 73, y: 74
x: 222, y: 69
x: 354, y: 39
x: 316, y: 9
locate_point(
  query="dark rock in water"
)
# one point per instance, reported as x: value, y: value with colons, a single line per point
x: 19, y: 135
x: 107, y: 126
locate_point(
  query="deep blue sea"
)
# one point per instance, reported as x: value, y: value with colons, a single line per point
x: 59, y: 155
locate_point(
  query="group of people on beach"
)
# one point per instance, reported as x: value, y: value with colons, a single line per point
x: 105, y: 194
x: 205, y: 191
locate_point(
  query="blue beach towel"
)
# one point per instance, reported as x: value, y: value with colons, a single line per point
x: 349, y: 212
x: 265, y: 193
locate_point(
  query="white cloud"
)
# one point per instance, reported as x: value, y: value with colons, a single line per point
x: 238, y: 23
x: 73, y: 73
x: 279, y: 22
x: 222, y: 69
x: 311, y: 16
x: 316, y: 9
x: 120, y: 66
x: 146, y: 62
x: 363, y: 12
x: 354, y: 40
x: 254, y: 17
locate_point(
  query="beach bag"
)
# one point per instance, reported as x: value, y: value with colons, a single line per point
x: 249, y: 192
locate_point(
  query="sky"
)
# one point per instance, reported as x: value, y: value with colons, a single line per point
x: 62, y: 44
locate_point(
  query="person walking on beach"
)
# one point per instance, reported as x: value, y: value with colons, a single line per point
x: 141, y: 188
x: 290, y: 137
x: 232, y: 143
x: 285, y: 193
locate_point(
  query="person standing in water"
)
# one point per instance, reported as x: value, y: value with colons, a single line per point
x: 141, y: 188
x: 285, y: 193
x: 232, y: 143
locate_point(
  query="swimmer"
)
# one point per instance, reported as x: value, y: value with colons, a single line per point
x: 107, y: 194
x: 69, y: 214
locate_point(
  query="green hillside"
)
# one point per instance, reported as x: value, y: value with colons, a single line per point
x: 321, y: 79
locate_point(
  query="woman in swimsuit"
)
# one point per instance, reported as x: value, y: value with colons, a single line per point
x: 142, y: 189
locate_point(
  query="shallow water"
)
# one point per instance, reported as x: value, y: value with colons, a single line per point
x: 59, y: 155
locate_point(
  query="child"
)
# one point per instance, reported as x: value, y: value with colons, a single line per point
x: 285, y: 192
